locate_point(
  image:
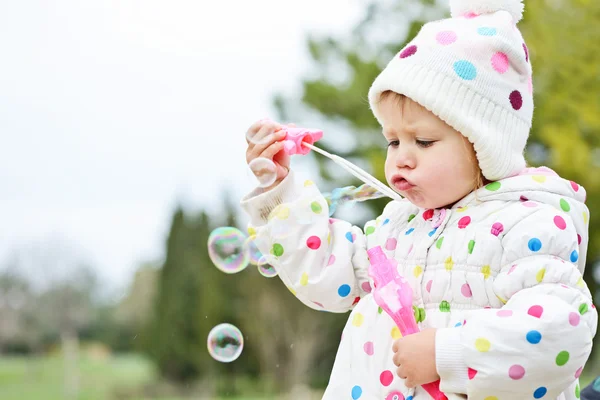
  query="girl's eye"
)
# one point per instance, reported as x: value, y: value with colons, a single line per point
x: 393, y: 143
x: 425, y: 143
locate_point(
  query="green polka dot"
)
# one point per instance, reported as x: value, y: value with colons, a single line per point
x: 379, y: 310
x: 316, y: 207
x: 439, y: 242
x: 583, y: 308
x: 411, y: 217
x: 444, y: 306
x: 370, y: 230
x: 422, y: 315
x: 562, y: 358
x: 492, y: 187
x: 564, y: 205
x: 277, y: 250
x: 471, y: 246
x: 577, y: 391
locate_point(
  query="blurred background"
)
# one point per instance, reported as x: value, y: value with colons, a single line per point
x: 122, y: 147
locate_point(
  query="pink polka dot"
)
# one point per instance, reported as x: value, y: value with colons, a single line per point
x: 497, y: 229
x: 446, y: 37
x: 428, y: 286
x: 574, y: 318
x: 386, y: 378
x: 560, y: 222
x: 313, y: 243
x: 466, y: 290
x: 529, y: 204
x: 512, y: 268
x: 366, y: 286
x: 526, y: 52
x: 471, y: 372
x: 464, y: 222
x: 578, y: 372
x: 331, y: 221
x: 504, y: 313
x: 410, y: 249
x: 368, y: 348
x: 470, y: 15
x: 409, y: 51
x: 391, y: 244
x: 516, y: 100
x: 535, y: 311
x: 578, y: 238
x: 331, y: 260
x: 500, y: 62
x: 516, y: 372
x: 575, y: 186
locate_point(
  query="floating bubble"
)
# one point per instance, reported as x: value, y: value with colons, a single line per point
x: 227, y: 249
x: 265, y: 268
x: 350, y: 194
x: 225, y: 343
x: 253, y: 251
x: 264, y: 170
x: 263, y: 136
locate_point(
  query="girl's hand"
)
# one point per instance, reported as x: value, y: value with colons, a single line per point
x: 264, y: 139
x: 414, y: 355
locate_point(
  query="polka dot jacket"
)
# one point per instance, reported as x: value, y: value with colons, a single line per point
x: 499, y: 274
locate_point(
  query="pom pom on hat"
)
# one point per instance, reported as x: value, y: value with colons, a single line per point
x: 462, y: 7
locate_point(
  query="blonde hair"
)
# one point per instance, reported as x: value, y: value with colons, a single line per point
x: 479, y: 180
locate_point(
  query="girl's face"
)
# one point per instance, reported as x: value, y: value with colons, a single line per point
x: 428, y: 162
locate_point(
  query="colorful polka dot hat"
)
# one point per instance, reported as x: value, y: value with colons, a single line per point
x: 473, y: 71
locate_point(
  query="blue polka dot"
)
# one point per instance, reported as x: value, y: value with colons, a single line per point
x: 409, y: 398
x: 432, y: 232
x: 386, y: 221
x: 349, y: 237
x: 344, y: 290
x: 534, y: 244
x: 356, y: 392
x: 534, y: 337
x: 408, y: 232
x: 574, y: 256
x: 487, y: 31
x: 458, y: 324
x: 465, y: 70
x: 540, y: 392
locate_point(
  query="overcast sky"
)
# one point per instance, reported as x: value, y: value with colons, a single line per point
x: 113, y: 111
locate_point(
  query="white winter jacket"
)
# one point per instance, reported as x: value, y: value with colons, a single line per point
x: 499, y: 274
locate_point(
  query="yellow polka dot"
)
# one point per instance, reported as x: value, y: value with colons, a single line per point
x: 304, y: 279
x: 539, y: 178
x: 418, y: 271
x: 251, y: 231
x: 486, y: 271
x: 449, y: 264
x: 483, y: 345
x: 585, y: 217
x: 329, y: 238
x: 491, y: 398
x: 308, y: 182
x: 462, y: 209
x: 358, y: 319
x: 540, y: 275
x: 501, y: 299
x: 291, y: 290
x: 281, y: 212
x: 396, y: 333
x: 580, y: 282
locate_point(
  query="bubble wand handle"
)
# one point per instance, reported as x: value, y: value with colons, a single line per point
x: 393, y: 294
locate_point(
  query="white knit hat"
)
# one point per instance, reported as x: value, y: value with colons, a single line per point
x: 473, y: 72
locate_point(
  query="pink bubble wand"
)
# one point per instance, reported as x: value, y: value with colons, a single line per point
x: 394, y: 295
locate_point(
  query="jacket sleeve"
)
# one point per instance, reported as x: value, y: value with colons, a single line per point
x: 322, y: 261
x: 536, y: 345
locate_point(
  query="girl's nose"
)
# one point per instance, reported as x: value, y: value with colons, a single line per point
x: 405, y: 158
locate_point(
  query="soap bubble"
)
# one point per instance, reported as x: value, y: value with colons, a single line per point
x: 264, y: 170
x: 253, y: 251
x: 227, y: 250
x: 265, y: 268
x: 225, y: 343
x: 262, y: 136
